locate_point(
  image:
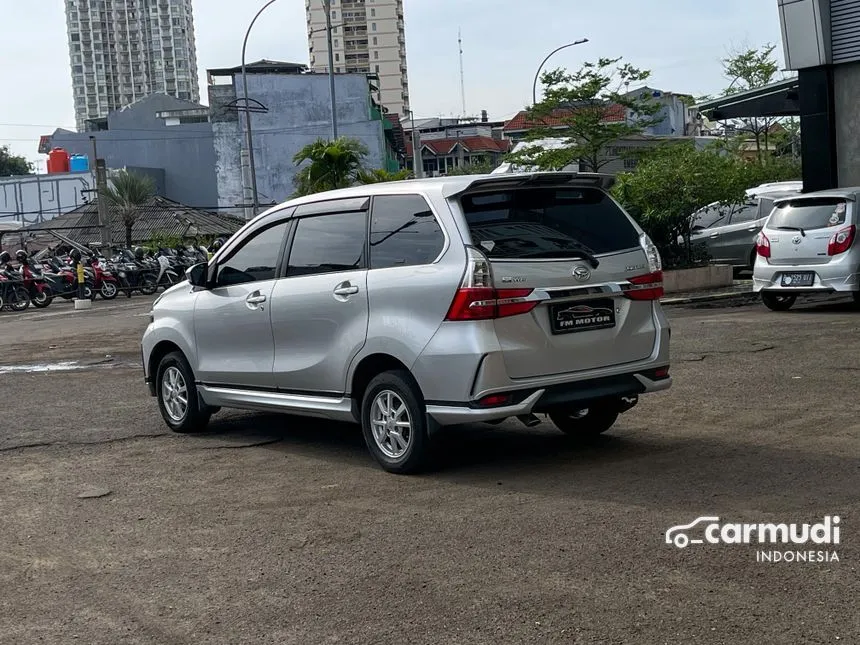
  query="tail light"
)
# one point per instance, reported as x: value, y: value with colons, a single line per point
x: 841, y: 240
x: 477, y: 299
x: 655, y: 262
x: 645, y: 287
x: 762, y: 245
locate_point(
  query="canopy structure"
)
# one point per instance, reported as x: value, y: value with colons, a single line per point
x: 776, y: 99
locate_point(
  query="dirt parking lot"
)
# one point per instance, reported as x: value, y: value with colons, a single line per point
x: 275, y: 529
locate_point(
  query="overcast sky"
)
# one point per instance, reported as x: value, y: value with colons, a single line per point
x: 680, y: 41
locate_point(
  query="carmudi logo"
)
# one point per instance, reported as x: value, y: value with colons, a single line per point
x: 709, y: 530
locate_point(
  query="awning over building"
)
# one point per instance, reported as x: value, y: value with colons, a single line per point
x: 776, y: 99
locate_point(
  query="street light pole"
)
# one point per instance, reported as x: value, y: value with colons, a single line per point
x: 248, y: 133
x: 551, y: 54
x: 327, y: 7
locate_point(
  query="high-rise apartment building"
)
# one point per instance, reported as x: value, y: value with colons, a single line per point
x: 123, y: 50
x: 367, y: 36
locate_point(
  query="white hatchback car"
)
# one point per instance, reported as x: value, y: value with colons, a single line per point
x: 807, y: 247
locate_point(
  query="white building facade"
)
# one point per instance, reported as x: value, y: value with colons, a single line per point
x: 123, y: 50
x: 367, y: 37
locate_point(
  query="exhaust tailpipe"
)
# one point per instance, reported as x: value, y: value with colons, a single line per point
x: 529, y: 420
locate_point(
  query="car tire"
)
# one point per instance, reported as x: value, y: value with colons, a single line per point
x: 585, y: 422
x: 777, y: 302
x: 175, y: 384
x: 391, y: 400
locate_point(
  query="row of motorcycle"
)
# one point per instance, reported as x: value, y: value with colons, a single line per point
x: 40, y: 278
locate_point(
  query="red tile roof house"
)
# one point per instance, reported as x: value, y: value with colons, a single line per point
x: 441, y: 155
x: 517, y: 128
x: 620, y: 156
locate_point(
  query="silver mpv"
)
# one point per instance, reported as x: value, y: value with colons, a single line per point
x: 411, y: 305
x: 807, y: 247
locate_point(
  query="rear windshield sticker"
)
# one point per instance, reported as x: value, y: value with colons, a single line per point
x: 834, y: 219
x: 840, y: 208
x: 489, y: 245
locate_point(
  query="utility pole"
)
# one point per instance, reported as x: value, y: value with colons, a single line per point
x: 101, y: 203
x: 417, y: 162
x: 462, y: 75
x: 327, y: 7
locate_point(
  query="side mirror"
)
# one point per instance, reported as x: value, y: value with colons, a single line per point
x: 198, y: 274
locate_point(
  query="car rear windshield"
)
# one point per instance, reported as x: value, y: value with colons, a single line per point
x: 823, y: 212
x: 547, y: 223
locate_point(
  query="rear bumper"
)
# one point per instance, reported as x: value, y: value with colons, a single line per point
x: 561, y: 395
x: 828, y: 278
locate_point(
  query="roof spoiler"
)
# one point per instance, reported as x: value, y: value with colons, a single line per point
x: 502, y: 181
x: 848, y: 197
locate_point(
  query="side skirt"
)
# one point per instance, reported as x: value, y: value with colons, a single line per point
x: 321, y: 407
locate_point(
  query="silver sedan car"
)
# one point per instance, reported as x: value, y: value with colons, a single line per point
x: 807, y: 246
x: 729, y: 231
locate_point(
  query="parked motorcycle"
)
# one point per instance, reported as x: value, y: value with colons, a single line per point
x: 104, y: 282
x: 63, y: 278
x: 133, y: 274
x: 40, y: 292
x: 12, y: 292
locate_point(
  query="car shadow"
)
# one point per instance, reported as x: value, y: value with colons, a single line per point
x: 627, y: 465
x: 824, y: 307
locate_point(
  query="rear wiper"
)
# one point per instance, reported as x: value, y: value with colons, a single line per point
x: 584, y: 255
x: 791, y: 228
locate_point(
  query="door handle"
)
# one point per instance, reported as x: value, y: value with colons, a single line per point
x: 255, y: 299
x: 350, y: 290
x: 753, y: 229
x: 714, y: 235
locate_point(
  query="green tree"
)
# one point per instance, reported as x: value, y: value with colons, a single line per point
x: 379, y: 176
x: 593, y: 108
x: 475, y: 168
x: 127, y: 193
x: 748, y: 70
x: 672, y: 181
x: 11, y: 165
x: 330, y: 165
x: 786, y: 138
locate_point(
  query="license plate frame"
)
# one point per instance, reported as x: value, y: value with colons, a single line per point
x: 797, y: 279
x: 575, y: 317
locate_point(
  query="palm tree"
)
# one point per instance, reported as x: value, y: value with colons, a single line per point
x: 380, y: 176
x: 127, y: 193
x: 333, y: 164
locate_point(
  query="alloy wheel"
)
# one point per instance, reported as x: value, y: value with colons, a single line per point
x: 174, y: 393
x: 391, y: 424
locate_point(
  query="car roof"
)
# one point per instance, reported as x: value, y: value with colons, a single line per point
x: 449, y: 187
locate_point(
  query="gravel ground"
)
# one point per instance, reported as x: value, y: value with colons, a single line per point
x: 272, y: 529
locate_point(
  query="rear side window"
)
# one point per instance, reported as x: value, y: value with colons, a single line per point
x: 403, y: 232
x: 822, y: 212
x: 711, y: 216
x: 328, y: 244
x: 547, y: 223
x: 745, y: 213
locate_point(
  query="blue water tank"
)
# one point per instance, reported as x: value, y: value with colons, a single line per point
x: 79, y: 163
